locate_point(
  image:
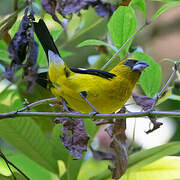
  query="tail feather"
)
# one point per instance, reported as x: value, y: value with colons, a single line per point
x: 45, y: 37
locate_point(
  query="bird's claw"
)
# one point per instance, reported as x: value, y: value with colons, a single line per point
x: 93, y: 114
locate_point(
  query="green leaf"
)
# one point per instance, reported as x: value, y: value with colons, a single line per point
x: 27, y: 137
x: 90, y: 171
x: 59, y: 151
x: 165, y: 168
x: 145, y: 157
x: 164, y: 8
x: 93, y: 42
x: 121, y: 27
x: 150, y: 80
x: 4, y: 55
x: 31, y: 168
x: 73, y: 167
x: 140, y: 5
x: 18, y: 176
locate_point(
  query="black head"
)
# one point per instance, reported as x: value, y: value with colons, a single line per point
x: 136, y: 65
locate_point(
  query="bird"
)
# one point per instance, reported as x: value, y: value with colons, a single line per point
x: 87, y: 90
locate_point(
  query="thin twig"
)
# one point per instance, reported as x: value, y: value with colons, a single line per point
x: 165, y: 86
x: 169, y: 80
x: 37, y: 103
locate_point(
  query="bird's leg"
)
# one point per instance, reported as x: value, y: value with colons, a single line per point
x: 64, y: 104
x: 84, y: 95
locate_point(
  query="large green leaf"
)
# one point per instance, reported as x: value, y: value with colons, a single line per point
x: 31, y: 168
x: 150, y: 80
x: 72, y: 168
x: 140, y: 5
x: 165, y: 168
x: 145, y: 157
x: 164, y: 8
x: 92, y: 169
x: 27, y: 137
x: 18, y: 176
x: 121, y: 27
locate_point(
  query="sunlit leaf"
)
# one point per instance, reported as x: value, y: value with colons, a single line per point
x: 145, y: 157
x: 121, y: 27
x: 32, y: 169
x: 165, y: 168
x: 140, y: 5
x: 90, y: 171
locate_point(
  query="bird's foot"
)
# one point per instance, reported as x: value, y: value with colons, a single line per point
x: 93, y: 114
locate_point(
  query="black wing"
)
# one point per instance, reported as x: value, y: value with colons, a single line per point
x: 95, y: 72
x: 43, y: 80
x: 45, y: 37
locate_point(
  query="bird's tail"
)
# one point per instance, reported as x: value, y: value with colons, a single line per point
x: 45, y: 37
x: 57, y: 67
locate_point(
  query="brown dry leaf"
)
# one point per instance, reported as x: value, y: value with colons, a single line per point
x: 18, y: 46
x: 125, y: 2
x: 72, y: 6
x: 75, y: 137
x: 144, y: 101
x: 7, y: 38
x: 23, y: 47
x: 69, y: 7
x: 50, y: 7
x: 118, y: 145
x: 30, y: 68
x: 104, y: 9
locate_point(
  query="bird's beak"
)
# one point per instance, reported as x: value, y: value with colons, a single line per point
x: 140, y: 66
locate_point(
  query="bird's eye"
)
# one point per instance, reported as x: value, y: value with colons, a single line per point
x: 130, y: 63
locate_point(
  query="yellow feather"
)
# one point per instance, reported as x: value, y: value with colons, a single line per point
x: 106, y: 95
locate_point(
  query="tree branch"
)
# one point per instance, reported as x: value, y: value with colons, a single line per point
x: 97, y: 116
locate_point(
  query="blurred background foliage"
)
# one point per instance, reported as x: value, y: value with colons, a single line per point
x: 33, y: 143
